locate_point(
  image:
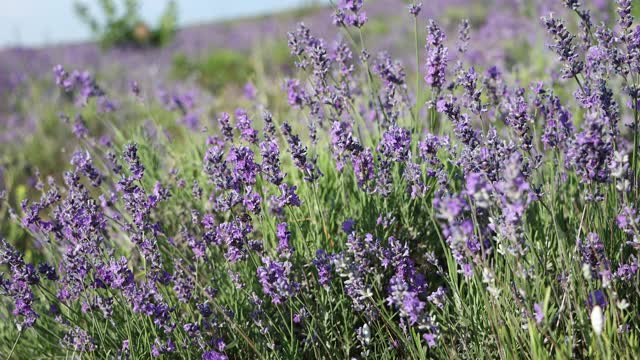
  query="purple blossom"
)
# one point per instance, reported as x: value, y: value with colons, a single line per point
x: 250, y: 91
x: 591, y: 151
x: 270, y: 167
x: 363, y: 167
x: 538, y: 313
x: 348, y: 225
x: 437, y: 55
x: 78, y: 340
x: 225, y: 127
x: 593, y: 254
x: 597, y: 297
x: 287, y: 197
x: 79, y: 128
x: 18, y: 285
x: 395, y: 144
x: 275, y: 278
x: 284, y: 236
x: 215, y: 167
x: 564, y: 47
x: 214, y: 355
x: 348, y: 13
x: 244, y: 124
x: 299, y: 155
x: 130, y: 156
x: 245, y: 170
x: 415, y: 8
x: 324, y: 266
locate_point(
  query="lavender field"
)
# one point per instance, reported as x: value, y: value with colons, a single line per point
x: 379, y: 179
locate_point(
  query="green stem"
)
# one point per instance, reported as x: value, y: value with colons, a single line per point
x: 634, y: 177
x: 417, y: 95
x: 13, y: 348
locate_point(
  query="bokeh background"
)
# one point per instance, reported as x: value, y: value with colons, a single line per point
x: 40, y: 23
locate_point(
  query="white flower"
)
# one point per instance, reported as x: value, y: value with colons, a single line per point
x: 365, y: 334
x: 586, y: 271
x: 487, y: 276
x: 597, y: 320
x: 623, y: 185
x: 622, y: 304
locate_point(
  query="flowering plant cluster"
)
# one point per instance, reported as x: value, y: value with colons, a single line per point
x: 472, y: 215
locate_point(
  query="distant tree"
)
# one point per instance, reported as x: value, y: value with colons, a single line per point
x: 125, y: 27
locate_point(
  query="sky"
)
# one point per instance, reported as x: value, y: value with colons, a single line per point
x: 46, y: 22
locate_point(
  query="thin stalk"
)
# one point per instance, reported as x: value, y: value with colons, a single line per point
x: 14, y: 345
x: 417, y: 95
x: 634, y: 177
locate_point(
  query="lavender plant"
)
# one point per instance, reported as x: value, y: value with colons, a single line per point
x: 475, y: 215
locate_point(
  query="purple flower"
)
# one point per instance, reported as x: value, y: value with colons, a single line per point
x: 348, y: 225
x: 234, y: 235
x: 135, y: 88
x: 158, y: 348
x: 130, y: 155
x: 564, y: 47
x: 183, y: 284
x: 299, y: 155
x: 225, y: 127
x: 363, y: 167
x: 430, y: 339
x: 84, y: 165
x: 324, y: 266
x: 288, y: 197
x: 463, y: 36
x: 214, y: 355
x: 415, y: 8
x: 275, y: 278
x: 116, y: 274
x: 249, y: 91
x: 597, y: 298
x: 78, y: 340
x: 296, y: 95
x: 348, y: 13
x: 559, y: 127
x: 591, y: 150
x: 342, y: 142
x: 215, y: 167
x: 628, y: 271
x: 395, y: 144
x: 79, y: 128
x: 61, y: 77
x: 538, y: 313
x: 593, y: 251
x: 270, y: 153
x: 48, y: 271
x: 436, y: 56
x: 247, y: 132
x: 18, y: 285
x: 204, y: 309
x: 252, y: 201
x: 438, y: 297
x: 245, y: 169
x: 284, y: 235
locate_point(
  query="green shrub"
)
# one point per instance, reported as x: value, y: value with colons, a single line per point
x: 475, y: 12
x: 128, y: 28
x: 213, y: 72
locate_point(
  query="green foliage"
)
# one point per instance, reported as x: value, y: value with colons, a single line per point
x: 127, y: 28
x: 220, y: 68
x: 476, y: 12
x: 377, y: 26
